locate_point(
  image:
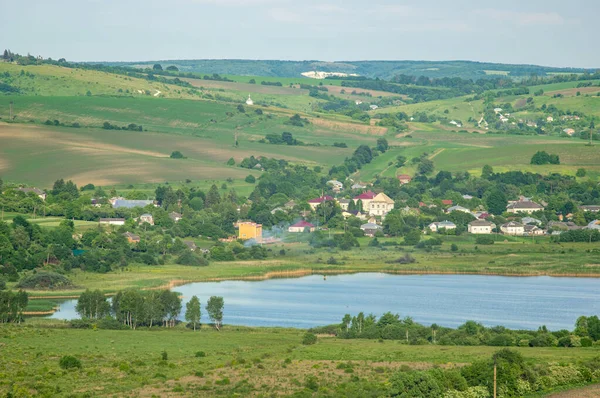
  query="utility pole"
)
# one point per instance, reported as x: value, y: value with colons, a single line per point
x: 494, y: 377
x: 10, y: 110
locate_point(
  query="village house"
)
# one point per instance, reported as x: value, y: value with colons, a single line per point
x: 313, y: 203
x: 531, y: 220
x: 250, y: 230
x: 467, y: 197
x: 481, y: 227
x: 370, y: 229
x: 549, y: 119
x: 191, y: 245
x: 41, y: 194
x: 130, y: 204
x: 513, y: 228
x: 365, y: 198
x: 524, y: 206
x: 132, y: 238
x: 593, y: 225
x: 404, y: 179
x: 301, y: 226
x: 112, y: 221
x: 289, y: 205
x: 176, y: 217
x: 590, y: 208
x: 447, y: 202
x: 563, y: 226
x: 441, y: 225
x: 344, y: 203
x: 458, y: 208
x: 146, y: 218
x: 533, y: 230
x: 569, y: 132
x: 381, y: 205
x: 336, y: 185
x: 359, y: 185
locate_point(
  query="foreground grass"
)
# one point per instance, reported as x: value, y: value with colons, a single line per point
x: 247, y: 361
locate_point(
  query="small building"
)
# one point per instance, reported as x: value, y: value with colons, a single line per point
x: 481, y: 227
x: 594, y: 225
x: 336, y: 185
x: 373, y: 107
x: 289, y: 205
x: 458, y: 208
x: 365, y: 198
x: 524, y: 206
x: 191, y: 245
x: 590, y: 208
x: 132, y: 238
x: 447, y: 202
x: 404, y: 179
x: 130, y: 204
x: 146, y: 218
x: 301, y: 226
x: 467, y: 197
x: 513, y: 228
x: 533, y: 230
x: 531, y: 221
x: 569, y: 132
x: 40, y: 194
x: 380, y: 205
x: 549, y: 119
x: 441, y: 225
x: 112, y: 221
x: 313, y: 203
x: 370, y: 229
x: 359, y: 185
x: 275, y: 210
x: 176, y: 217
x: 249, y: 230
x: 249, y: 101
x: 344, y: 203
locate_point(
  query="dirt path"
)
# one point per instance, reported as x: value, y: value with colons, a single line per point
x: 585, y: 392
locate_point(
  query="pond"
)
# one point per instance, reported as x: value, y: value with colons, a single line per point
x: 448, y: 300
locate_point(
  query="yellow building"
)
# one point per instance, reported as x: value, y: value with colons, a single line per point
x: 250, y: 230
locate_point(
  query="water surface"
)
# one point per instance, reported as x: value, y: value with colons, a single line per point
x: 448, y: 300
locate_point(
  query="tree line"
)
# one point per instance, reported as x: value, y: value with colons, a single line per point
x: 134, y: 308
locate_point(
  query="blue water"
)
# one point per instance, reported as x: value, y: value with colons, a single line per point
x: 448, y: 300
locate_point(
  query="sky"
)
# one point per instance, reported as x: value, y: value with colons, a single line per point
x: 543, y: 32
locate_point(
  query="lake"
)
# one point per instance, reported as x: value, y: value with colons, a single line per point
x: 448, y: 300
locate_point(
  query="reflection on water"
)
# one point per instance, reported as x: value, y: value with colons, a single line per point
x: 448, y: 300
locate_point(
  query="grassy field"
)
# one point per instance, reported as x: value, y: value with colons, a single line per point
x: 236, y: 361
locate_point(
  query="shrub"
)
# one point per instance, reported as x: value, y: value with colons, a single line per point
x: 200, y: 354
x: 484, y: 240
x: 311, y: 383
x: 177, y: 155
x: 309, y: 339
x: 250, y: 179
x: 453, y: 247
x: 164, y: 356
x: 586, y: 342
x: 45, y: 280
x: 69, y: 362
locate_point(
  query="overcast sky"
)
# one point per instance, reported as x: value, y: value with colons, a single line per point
x: 545, y: 32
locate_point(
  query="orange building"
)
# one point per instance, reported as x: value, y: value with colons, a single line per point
x: 250, y: 230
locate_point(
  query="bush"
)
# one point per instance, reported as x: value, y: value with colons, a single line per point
x: 309, y: 339
x: 45, y: 280
x: 69, y: 362
x: 110, y: 323
x: 177, y: 155
x: 484, y: 240
x: 164, y: 356
x: 200, y: 354
x: 250, y: 179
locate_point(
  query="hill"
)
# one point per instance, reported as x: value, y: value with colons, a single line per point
x: 380, y: 69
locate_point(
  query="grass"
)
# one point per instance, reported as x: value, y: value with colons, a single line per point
x: 243, y: 360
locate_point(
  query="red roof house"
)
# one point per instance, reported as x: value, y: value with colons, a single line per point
x: 404, y: 178
x: 301, y: 226
x: 446, y: 202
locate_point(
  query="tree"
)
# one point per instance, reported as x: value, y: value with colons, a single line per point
x: 580, y: 173
x: 193, y: 311
x: 382, y: 145
x: 157, y: 67
x: 346, y: 321
x: 177, y: 155
x: 425, y: 167
x: 92, y: 305
x: 487, y: 171
x: 231, y: 162
x: 413, y: 237
x: 400, y: 161
x: 496, y: 202
x: 214, y: 307
x: 212, y: 197
x: 172, y: 68
x: 250, y: 179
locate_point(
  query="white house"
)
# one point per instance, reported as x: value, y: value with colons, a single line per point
x: 344, y: 203
x: 524, y: 206
x: 513, y: 228
x: 337, y: 186
x: 458, y: 208
x: 146, y: 218
x: 381, y: 205
x: 41, y: 194
x: 112, y: 221
x: 175, y: 216
x: 301, y: 226
x: 481, y: 227
x: 370, y: 229
x: 436, y: 226
x: 593, y: 225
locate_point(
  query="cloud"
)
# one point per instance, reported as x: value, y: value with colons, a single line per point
x: 232, y: 3
x: 522, y: 18
x: 285, y: 15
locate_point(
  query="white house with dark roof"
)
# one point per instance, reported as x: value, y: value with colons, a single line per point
x: 481, y: 227
x: 513, y: 228
x: 41, y: 194
x: 457, y: 208
x: 524, y: 206
x: 437, y: 226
